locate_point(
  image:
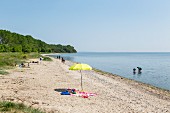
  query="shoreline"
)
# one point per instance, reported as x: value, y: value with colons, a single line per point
x: 114, y: 75
x: 144, y: 86
x: 138, y: 84
x: 40, y: 86
x: 150, y: 75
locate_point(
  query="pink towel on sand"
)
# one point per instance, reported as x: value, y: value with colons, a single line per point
x: 84, y: 94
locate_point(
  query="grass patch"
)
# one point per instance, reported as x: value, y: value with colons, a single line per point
x: 33, y: 55
x: 2, y: 72
x: 101, y: 72
x: 46, y: 58
x: 10, y: 107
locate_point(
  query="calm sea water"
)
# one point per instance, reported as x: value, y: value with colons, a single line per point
x: 155, y: 66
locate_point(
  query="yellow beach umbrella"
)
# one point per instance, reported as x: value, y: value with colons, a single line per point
x: 80, y: 67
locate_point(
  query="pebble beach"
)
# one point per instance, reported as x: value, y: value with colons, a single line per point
x: 40, y: 86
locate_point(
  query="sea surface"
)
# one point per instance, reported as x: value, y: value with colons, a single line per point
x: 155, y: 66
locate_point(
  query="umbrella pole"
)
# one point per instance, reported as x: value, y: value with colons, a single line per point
x: 81, y: 81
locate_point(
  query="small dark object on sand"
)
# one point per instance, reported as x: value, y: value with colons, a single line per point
x: 35, y: 62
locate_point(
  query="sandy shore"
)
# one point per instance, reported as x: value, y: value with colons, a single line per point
x: 40, y: 85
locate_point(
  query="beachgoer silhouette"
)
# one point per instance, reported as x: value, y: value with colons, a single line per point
x: 22, y: 65
x: 62, y: 60
x: 139, y: 70
x: 134, y: 70
x: 40, y: 58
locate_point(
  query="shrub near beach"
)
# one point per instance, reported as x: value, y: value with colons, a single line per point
x: 9, y: 107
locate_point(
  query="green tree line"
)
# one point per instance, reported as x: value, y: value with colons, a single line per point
x: 14, y: 42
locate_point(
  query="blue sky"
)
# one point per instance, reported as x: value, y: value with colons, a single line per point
x: 92, y: 25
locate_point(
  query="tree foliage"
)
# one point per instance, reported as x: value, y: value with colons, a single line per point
x: 14, y: 42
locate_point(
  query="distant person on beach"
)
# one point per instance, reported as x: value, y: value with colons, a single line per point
x: 22, y: 65
x: 41, y: 59
x: 62, y: 60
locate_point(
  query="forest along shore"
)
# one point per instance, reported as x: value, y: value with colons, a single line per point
x: 39, y: 86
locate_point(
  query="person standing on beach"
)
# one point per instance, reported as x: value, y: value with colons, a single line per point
x: 62, y: 60
x: 41, y: 59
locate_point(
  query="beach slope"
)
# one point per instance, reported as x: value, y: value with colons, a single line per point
x: 40, y: 85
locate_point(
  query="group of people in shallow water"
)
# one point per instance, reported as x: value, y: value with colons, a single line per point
x: 62, y: 59
x: 139, y: 70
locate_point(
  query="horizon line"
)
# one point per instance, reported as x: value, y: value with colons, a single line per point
x: 124, y: 51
